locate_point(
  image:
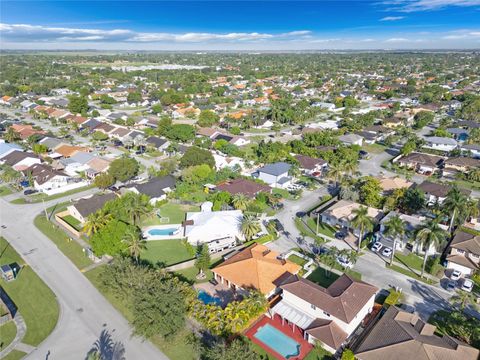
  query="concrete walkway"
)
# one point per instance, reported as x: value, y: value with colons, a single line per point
x: 21, y: 330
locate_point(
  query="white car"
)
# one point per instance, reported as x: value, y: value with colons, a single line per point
x: 467, y: 285
x: 387, y: 252
x: 344, y: 262
x: 376, y: 247
x: 455, y: 275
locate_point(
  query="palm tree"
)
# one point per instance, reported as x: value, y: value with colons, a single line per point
x: 240, y: 201
x: 335, y: 172
x: 11, y: 135
x: 96, y: 221
x: 463, y: 299
x: 428, y: 234
x: 453, y: 204
x: 350, y: 167
x: 395, y: 228
x: 137, y: 206
x: 135, y: 243
x: 250, y: 226
x: 362, y: 222
x: 328, y: 260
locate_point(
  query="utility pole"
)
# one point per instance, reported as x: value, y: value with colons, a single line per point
x: 318, y: 219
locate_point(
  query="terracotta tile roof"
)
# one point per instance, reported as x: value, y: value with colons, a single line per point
x: 399, y: 335
x: 243, y: 186
x: 69, y: 150
x: 257, y: 267
x: 328, y: 332
x: 343, y: 209
x: 343, y: 299
x: 98, y: 164
x: 393, y: 183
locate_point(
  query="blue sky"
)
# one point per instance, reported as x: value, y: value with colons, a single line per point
x: 240, y: 25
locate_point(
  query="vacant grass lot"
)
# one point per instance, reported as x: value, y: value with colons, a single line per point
x: 35, y: 301
x: 70, y: 248
x: 7, y: 332
x: 176, y: 348
x: 167, y: 252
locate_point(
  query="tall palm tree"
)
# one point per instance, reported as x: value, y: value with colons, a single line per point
x: 96, y: 221
x: 428, y: 234
x: 463, y: 299
x: 362, y: 222
x: 395, y: 228
x: 137, y: 206
x: 250, y: 226
x: 350, y: 167
x: 335, y: 172
x: 240, y: 201
x: 453, y: 204
x: 135, y: 243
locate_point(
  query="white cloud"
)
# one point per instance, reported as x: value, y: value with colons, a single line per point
x: 394, y: 40
x: 426, y: 5
x: 392, y: 18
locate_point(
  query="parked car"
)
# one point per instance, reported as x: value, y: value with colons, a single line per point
x: 466, y: 285
x: 455, y: 275
x: 344, y: 262
x: 376, y: 247
x: 451, y: 285
x: 340, y: 235
x: 30, y: 192
x: 387, y: 252
x: 364, y: 155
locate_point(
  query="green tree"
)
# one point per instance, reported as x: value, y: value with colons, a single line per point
x: 99, y: 136
x: 250, y: 226
x: 413, y: 200
x: 180, y: 132
x: 427, y: 235
x: 348, y: 354
x: 239, y: 348
x: 422, y: 119
x: 240, y: 201
x: 207, y: 118
x: 196, y: 174
x: 462, y: 299
x: 362, y: 222
x: 124, y: 168
x: 104, y: 180
x: 197, y: 156
x: 395, y: 228
x: 77, y: 104
x: 11, y: 135
x: 39, y: 148
x: 108, y: 239
x: 134, y: 97
x: 370, y: 191
x: 96, y: 221
x: 202, y: 261
x: 134, y: 242
x: 454, y: 203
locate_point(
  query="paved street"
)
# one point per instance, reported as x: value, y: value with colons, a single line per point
x: 84, y: 312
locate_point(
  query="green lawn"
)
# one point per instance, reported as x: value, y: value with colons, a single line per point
x: 191, y: 273
x: 8, y: 332
x: 321, y: 278
x: 323, y: 228
x: 319, y: 354
x: 411, y: 260
x: 35, y: 301
x: 176, y: 348
x: 284, y: 193
x: 168, y: 252
x: 374, y: 148
x: 265, y: 355
x: 70, y: 248
x: 5, y: 190
x: 73, y: 222
x: 297, y: 260
x: 409, y: 273
x: 174, y: 212
x: 14, y: 355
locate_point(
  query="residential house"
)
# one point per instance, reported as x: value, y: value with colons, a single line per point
x: 157, y: 143
x: 351, y: 139
x: 436, y: 192
x: 246, y: 187
x: 421, y: 163
x: 460, y: 165
x: 89, y: 205
x: 256, y: 267
x: 326, y: 315
x: 156, y: 188
x: 275, y: 175
x: 459, y: 134
x: 311, y: 166
x: 263, y: 123
x: 96, y: 165
x: 232, y: 162
x: 464, y: 253
x: 375, y: 133
x: 68, y: 151
x: 20, y: 160
x: 400, y: 335
x: 390, y: 184
x: 219, y: 230
x: 46, y: 178
x: 8, y: 148
x: 472, y: 150
x: 50, y: 142
x: 341, y: 215
x: 25, y: 131
x: 440, y: 143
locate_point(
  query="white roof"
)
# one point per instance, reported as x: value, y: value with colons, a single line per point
x: 212, y: 225
x: 292, y: 314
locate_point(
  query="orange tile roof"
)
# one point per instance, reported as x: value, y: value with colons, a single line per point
x: 256, y: 266
x: 69, y: 150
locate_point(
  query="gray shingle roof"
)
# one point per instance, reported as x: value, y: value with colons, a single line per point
x: 275, y: 169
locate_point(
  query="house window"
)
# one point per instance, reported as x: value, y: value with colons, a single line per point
x: 460, y: 251
x: 313, y: 307
x: 327, y: 314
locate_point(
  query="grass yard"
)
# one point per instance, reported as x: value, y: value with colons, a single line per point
x: 70, y: 248
x: 73, y: 222
x: 176, y: 348
x: 35, y: 301
x: 297, y: 260
x: 8, y: 332
x: 5, y: 190
x: 323, y: 228
x: 374, y: 148
x: 264, y: 355
x: 168, y: 252
x: 318, y: 276
x: 14, y: 355
x: 411, y: 260
x: 409, y: 273
x: 319, y: 354
x: 283, y: 193
x: 174, y: 212
x: 191, y: 273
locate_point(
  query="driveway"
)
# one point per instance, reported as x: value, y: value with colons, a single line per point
x: 84, y: 312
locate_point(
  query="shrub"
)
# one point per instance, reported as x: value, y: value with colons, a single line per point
x: 393, y: 298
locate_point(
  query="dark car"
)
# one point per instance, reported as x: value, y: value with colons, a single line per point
x: 30, y: 192
x: 340, y: 235
x: 363, y: 155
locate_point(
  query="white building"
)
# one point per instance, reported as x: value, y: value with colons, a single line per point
x: 275, y: 175
x: 440, y: 143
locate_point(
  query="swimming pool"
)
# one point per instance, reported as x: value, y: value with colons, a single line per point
x: 208, y: 299
x: 278, y: 341
x: 167, y: 231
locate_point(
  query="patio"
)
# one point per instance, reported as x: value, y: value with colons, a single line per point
x: 290, y: 330
x: 220, y: 291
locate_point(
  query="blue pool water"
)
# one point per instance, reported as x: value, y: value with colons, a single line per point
x: 278, y: 341
x: 167, y: 231
x: 462, y: 137
x: 208, y: 299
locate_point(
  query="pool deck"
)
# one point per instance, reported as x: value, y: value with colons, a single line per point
x: 305, y: 346
x: 223, y: 292
x: 149, y: 237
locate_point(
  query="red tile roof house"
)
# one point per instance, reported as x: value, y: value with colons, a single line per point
x: 243, y: 186
x: 329, y: 315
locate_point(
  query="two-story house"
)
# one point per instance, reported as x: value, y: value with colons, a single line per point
x: 437, y: 193
x: 464, y: 253
x: 328, y: 315
x: 311, y: 166
x: 275, y: 175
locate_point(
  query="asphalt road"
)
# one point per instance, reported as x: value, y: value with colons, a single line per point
x: 84, y: 312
